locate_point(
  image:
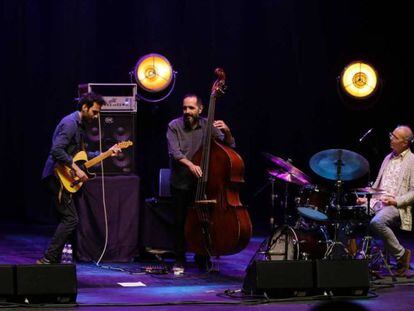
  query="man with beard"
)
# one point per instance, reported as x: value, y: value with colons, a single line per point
x: 185, y: 138
x: 67, y: 140
x: 396, y: 177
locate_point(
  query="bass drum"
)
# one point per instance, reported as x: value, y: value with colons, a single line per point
x: 287, y: 243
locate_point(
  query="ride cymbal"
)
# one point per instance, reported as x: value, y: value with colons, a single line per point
x: 339, y: 164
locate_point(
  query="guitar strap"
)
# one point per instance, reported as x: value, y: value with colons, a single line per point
x: 82, y: 138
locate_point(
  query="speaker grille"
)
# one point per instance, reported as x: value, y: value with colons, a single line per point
x: 116, y: 127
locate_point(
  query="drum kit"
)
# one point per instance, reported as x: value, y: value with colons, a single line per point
x: 321, y: 224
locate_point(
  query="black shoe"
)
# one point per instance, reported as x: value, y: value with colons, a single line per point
x: 203, y: 262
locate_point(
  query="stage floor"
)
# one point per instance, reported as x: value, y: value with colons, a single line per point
x: 99, y: 286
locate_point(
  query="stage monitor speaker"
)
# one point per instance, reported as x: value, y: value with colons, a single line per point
x: 342, y: 277
x: 115, y: 127
x: 7, y: 286
x: 53, y: 283
x: 279, y: 278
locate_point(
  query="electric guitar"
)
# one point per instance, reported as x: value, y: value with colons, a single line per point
x: 67, y: 175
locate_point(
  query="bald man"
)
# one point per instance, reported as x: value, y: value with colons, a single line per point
x: 396, y: 177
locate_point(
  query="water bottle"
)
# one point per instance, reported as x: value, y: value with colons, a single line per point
x: 67, y: 254
x: 70, y: 254
x: 64, y: 256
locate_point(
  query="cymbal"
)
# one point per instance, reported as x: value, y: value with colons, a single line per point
x: 369, y: 190
x: 339, y: 164
x: 286, y: 171
x: 289, y: 177
x: 285, y: 165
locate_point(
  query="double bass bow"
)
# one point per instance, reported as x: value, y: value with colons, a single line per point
x: 217, y: 223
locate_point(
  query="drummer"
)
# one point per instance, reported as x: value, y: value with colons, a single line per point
x: 396, y: 177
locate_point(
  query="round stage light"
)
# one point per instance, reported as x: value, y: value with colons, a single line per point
x: 153, y: 73
x: 359, y: 80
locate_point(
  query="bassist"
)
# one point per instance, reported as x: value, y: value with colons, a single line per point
x: 185, y: 137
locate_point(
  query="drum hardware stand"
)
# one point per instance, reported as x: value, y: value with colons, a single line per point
x: 338, y: 184
x: 285, y: 228
x: 368, y: 244
x: 273, y: 197
x: 267, y: 244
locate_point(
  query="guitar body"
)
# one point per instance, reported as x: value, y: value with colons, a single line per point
x: 67, y: 175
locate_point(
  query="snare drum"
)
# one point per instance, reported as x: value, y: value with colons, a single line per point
x: 287, y: 243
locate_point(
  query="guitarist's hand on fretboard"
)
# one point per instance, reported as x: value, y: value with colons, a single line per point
x: 115, y: 150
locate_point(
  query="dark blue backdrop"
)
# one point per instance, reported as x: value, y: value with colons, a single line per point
x: 282, y: 58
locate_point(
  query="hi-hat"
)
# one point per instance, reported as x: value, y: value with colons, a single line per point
x: 286, y: 171
x: 339, y: 164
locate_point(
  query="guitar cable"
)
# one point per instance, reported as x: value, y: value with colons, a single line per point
x: 103, y: 194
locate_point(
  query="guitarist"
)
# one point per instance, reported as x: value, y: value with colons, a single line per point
x: 67, y: 140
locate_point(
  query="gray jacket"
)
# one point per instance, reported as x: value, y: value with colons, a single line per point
x: 405, y: 189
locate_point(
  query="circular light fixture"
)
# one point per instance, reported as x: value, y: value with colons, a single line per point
x: 153, y: 73
x: 359, y: 80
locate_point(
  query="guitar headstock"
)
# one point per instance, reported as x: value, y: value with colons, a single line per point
x: 125, y: 144
x: 219, y: 85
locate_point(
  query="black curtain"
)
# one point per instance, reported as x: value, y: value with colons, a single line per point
x: 282, y: 60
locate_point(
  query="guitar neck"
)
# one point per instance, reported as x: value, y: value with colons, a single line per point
x: 98, y: 159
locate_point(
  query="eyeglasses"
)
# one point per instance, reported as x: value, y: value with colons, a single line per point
x: 391, y: 135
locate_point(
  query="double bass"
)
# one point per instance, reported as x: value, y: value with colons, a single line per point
x: 217, y: 223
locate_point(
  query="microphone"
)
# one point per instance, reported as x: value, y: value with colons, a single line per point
x: 365, y: 135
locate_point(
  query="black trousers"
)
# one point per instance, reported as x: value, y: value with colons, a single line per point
x: 68, y: 220
x: 181, y: 201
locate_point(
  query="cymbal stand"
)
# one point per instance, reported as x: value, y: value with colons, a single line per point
x: 332, y: 244
x: 370, y: 250
x: 273, y: 197
x: 286, y: 231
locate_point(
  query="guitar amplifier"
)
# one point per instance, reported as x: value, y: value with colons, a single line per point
x: 119, y: 97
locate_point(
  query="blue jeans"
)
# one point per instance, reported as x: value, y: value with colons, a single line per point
x: 381, y: 224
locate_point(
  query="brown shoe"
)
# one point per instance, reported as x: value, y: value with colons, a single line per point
x: 404, y: 263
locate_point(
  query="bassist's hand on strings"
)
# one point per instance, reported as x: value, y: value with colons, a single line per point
x: 196, y: 170
x: 221, y: 126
